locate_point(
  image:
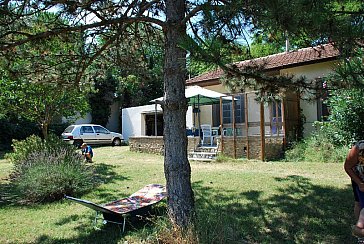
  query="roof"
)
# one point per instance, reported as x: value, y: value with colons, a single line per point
x: 278, y: 61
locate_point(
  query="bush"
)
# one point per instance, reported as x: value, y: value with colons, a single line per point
x: 320, y: 147
x: 296, y: 152
x: 47, y: 170
x: 347, y: 114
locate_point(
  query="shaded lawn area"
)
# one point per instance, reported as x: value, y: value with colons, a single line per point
x: 237, y: 202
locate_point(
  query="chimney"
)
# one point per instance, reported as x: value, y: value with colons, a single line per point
x: 287, y: 41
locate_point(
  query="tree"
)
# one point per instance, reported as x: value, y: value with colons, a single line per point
x: 42, y: 102
x: 224, y: 19
x: 102, y: 99
x: 38, y: 86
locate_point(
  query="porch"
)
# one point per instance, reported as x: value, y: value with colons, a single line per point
x: 238, y: 147
x: 241, y: 128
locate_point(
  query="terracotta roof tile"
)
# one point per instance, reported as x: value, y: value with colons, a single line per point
x: 278, y: 61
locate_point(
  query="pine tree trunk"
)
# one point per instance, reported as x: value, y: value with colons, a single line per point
x: 176, y: 165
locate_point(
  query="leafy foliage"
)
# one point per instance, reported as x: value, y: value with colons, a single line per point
x: 332, y: 138
x: 317, y: 148
x: 42, y: 102
x: 349, y: 73
x: 324, y: 20
x: 102, y: 99
x: 46, y: 170
x: 131, y: 68
x: 206, y: 55
x: 37, y: 79
x: 347, y: 114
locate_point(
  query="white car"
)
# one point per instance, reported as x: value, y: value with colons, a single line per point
x: 91, y: 134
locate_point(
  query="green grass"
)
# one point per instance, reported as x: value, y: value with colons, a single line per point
x: 237, y: 202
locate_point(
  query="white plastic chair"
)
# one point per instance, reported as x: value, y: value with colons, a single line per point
x: 206, y: 133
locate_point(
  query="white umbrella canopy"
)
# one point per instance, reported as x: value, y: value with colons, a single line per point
x: 197, y: 95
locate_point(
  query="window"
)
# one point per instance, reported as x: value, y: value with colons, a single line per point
x: 227, y: 111
x: 86, y: 129
x: 276, y: 119
x: 277, y: 111
x: 69, y: 129
x: 99, y: 129
x: 323, y: 111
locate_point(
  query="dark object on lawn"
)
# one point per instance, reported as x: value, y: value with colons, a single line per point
x: 138, y: 203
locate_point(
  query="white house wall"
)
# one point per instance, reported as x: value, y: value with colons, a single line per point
x: 133, y: 120
x: 311, y: 72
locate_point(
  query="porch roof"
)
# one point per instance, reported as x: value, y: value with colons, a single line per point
x: 278, y: 61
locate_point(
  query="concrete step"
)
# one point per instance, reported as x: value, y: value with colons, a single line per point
x: 201, y: 159
x: 202, y: 156
x: 206, y: 149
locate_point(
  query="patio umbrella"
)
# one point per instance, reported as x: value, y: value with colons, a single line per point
x: 197, y: 95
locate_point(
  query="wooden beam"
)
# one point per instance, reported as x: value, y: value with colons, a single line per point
x: 234, y: 132
x: 247, y: 126
x: 277, y: 116
x: 262, y: 132
x: 221, y: 127
x: 271, y: 118
x: 298, y: 112
x: 284, y: 122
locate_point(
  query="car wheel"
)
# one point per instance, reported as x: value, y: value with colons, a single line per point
x: 77, y: 143
x: 116, y: 142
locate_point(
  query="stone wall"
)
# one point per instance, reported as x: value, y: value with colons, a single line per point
x: 193, y: 143
x: 273, y: 146
x: 155, y: 144
x: 147, y: 144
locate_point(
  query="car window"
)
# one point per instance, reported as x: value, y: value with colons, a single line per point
x: 100, y: 129
x: 87, y: 129
x: 69, y: 129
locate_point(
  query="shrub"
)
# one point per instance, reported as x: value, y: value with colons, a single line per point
x: 221, y: 158
x: 47, y: 170
x: 347, y: 113
x: 320, y: 147
x: 296, y: 152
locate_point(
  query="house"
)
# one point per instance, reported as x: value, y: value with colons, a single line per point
x: 251, y: 129
x: 147, y: 120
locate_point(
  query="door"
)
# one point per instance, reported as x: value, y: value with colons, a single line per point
x: 103, y: 136
x: 87, y: 134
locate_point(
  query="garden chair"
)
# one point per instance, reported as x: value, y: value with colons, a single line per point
x: 207, y: 134
x: 138, y: 203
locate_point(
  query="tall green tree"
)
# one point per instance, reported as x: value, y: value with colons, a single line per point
x: 103, y: 97
x: 38, y: 86
x: 42, y: 102
x: 321, y: 21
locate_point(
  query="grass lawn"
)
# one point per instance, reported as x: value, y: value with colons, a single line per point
x: 237, y: 202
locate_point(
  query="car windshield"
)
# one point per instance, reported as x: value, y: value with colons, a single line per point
x: 69, y: 129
